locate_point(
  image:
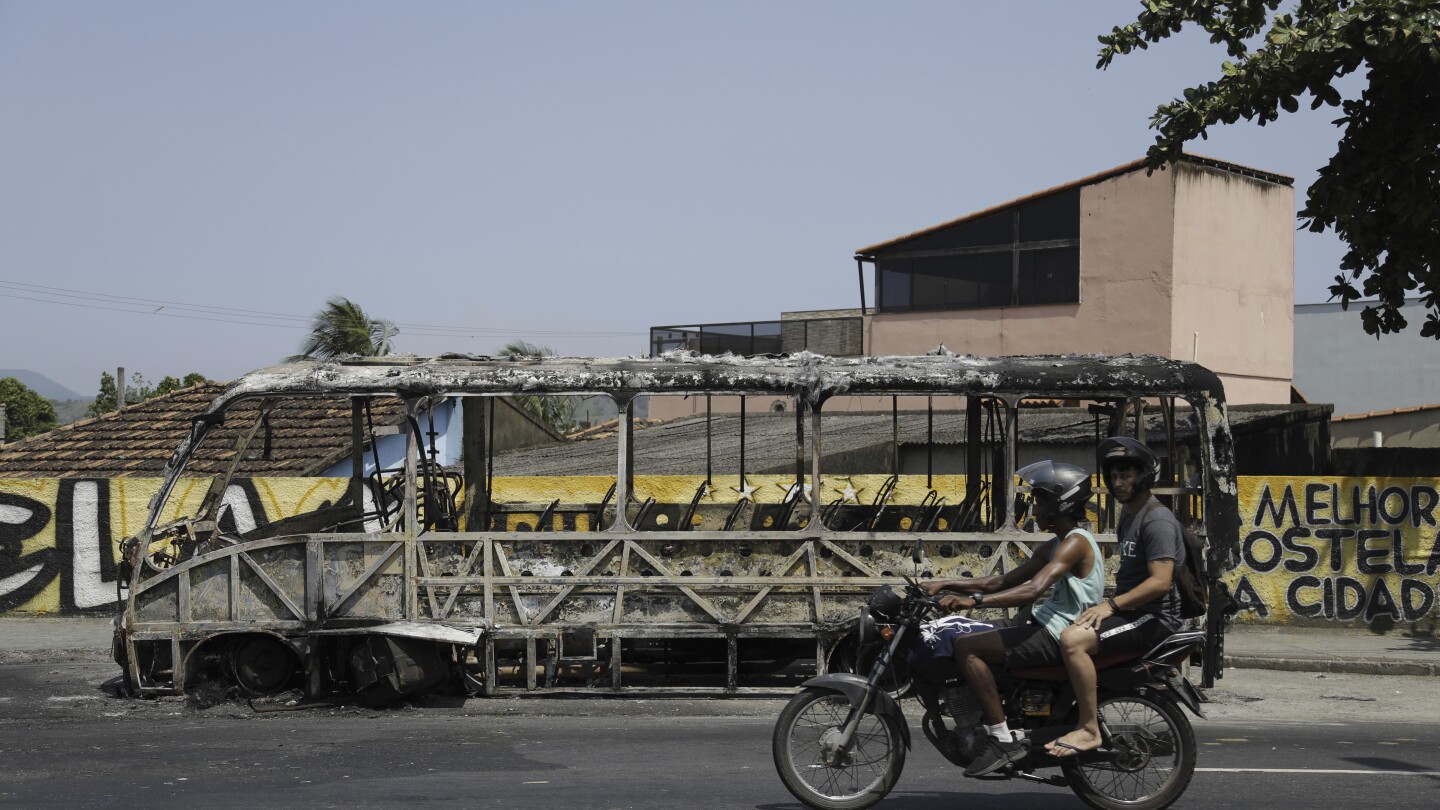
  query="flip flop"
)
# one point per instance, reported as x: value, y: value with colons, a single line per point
x: 1057, y: 744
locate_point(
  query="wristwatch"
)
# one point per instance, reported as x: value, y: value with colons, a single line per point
x: 979, y: 599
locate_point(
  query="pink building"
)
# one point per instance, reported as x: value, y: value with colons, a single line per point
x: 1195, y: 262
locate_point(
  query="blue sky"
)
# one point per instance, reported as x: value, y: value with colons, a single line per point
x: 566, y: 173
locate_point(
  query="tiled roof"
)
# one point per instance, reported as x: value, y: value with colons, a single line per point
x: 1134, y: 165
x: 1392, y: 412
x: 305, y: 437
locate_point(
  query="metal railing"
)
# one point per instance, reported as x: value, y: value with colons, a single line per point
x: 837, y: 337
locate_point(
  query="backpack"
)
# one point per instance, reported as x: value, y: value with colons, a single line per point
x: 1190, y: 580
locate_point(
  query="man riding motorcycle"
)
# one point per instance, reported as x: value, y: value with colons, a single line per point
x: 1146, y: 606
x: 1070, y: 562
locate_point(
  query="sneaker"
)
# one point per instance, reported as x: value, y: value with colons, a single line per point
x: 996, y: 755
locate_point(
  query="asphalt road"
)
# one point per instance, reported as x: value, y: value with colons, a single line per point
x: 66, y: 741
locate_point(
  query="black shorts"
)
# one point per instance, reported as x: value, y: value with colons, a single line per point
x: 1131, y: 631
x: 1027, y: 643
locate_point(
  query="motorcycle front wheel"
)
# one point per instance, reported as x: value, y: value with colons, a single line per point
x: 804, y: 741
x: 1156, y: 746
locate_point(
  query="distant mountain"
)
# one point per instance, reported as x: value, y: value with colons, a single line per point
x: 40, y: 384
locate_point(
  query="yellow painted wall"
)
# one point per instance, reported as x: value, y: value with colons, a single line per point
x: 59, y: 538
x: 1349, y: 550
x: 1360, y: 551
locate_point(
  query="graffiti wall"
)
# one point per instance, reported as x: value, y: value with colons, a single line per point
x: 1313, y: 550
x: 60, y: 538
x: 1350, y: 550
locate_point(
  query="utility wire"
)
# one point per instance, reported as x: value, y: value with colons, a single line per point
x: 246, y: 317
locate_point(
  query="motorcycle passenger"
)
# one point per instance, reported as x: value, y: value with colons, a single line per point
x: 1146, y: 605
x: 1070, y: 562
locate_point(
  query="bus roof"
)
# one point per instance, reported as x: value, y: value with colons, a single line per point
x: 811, y: 376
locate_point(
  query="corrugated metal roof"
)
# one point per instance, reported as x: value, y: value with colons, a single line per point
x: 678, y: 447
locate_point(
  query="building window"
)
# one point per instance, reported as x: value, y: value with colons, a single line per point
x: 1027, y: 256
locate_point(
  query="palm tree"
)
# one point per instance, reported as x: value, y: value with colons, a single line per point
x: 556, y: 411
x: 342, y: 328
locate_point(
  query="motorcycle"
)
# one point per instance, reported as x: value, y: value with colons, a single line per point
x: 840, y: 743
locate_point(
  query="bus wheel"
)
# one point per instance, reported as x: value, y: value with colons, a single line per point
x: 262, y: 665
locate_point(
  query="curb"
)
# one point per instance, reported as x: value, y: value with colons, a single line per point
x: 1353, y: 666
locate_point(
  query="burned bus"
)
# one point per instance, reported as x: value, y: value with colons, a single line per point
x: 723, y: 550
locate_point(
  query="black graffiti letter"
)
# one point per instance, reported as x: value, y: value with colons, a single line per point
x: 1414, y: 612
x: 1309, y: 557
x: 1267, y: 504
x: 1403, y: 568
x: 1345, y: 588
x: 1364, y: 555
x: 1335, y: 499
x: 1399, y: 516
x: 1272, y: 558
x: 1246, y: 598
x: 1292, y: 597
x: 1337, y: 548
x: 1422, y: 505
x: 1381, y: 602
x: 1314, y: 505
x: 1369, y: 505
x: 33, y: 517
x: 73, y: 531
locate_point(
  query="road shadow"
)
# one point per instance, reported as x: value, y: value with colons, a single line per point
x: 1388, y: 764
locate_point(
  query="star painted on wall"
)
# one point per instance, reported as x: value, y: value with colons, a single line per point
x: 849, y: 494
x: 745, y: 491
x: 790, y: 491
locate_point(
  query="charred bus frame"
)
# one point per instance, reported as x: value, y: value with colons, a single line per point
x: 431, y: 574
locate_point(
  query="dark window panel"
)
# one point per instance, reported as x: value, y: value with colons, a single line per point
x: 894, y: 285
x: 995, y: 229
x: 743, y: 328
x: 767, y: 338
x: 977, y: 280
x: 1054, y: 217
x: 1050, y: 276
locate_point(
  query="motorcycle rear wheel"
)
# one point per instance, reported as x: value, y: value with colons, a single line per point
x: 1157, y: 759
x: 808, y: 724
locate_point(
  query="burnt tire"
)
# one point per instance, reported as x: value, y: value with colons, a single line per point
x: 262, y: 666
x: 1156, y: 760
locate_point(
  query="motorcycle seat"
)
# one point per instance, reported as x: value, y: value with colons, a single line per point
x: 1057, y: 672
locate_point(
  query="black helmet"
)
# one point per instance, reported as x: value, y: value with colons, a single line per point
x: 1119, y: 448
x: 1067, y: 485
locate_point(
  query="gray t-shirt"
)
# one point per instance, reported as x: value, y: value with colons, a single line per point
x: 1156, y: 536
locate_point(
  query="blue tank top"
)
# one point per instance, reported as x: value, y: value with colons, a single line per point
x: 1072, y: 595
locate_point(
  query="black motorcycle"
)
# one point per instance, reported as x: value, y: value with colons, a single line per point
x: 840, y: 743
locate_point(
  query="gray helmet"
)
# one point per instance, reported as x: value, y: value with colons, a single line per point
x: 1066, y: 485
x: 1120, y: 448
